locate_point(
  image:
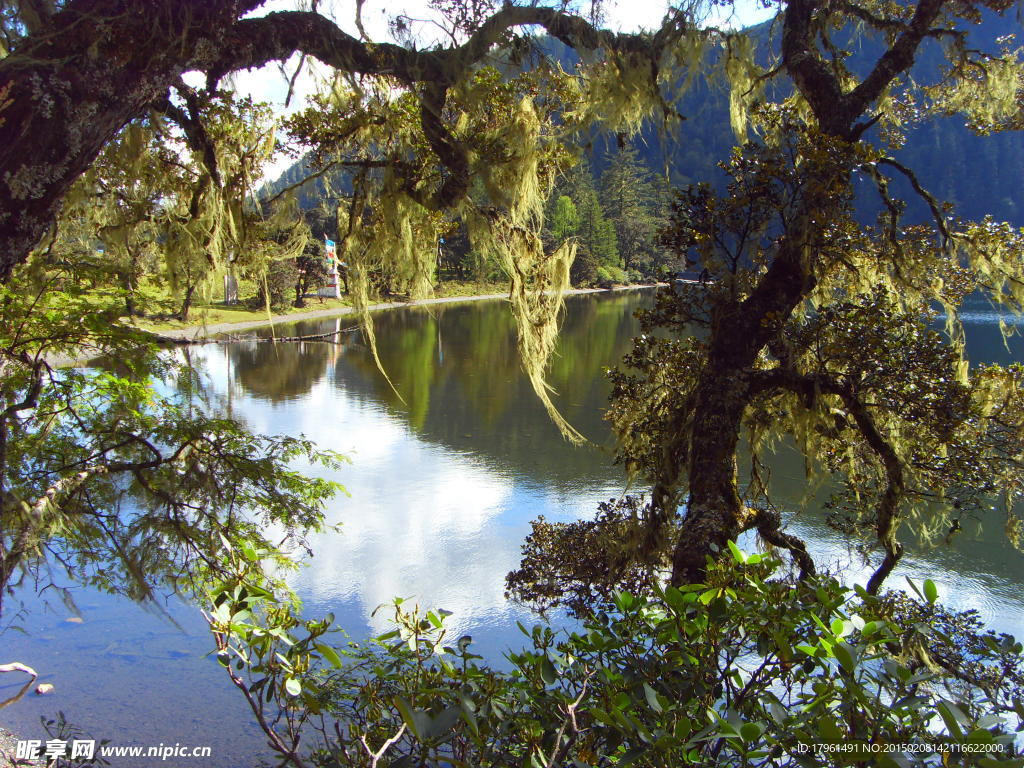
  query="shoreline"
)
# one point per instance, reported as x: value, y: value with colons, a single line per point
x: 199, y: 333
x: 9, y: 747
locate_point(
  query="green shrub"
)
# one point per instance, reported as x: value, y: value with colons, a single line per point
x: 610, y: 275
x: 279, y: 284
x: 744, y: 670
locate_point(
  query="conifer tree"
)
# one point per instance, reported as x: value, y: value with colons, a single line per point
x: 630, y: 198
x: 597, y: 254
x: 565, y: 219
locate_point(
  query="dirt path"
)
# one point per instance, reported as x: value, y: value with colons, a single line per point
x: 198, y: 332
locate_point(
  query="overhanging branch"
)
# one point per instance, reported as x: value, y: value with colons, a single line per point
x: 895, y: 483
x: 252, y: 43
x: 933, y: 204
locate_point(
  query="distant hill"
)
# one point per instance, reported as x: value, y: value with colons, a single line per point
x: 978, y: 175
x: 310, y: 193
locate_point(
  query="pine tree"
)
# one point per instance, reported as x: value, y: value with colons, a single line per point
x: 634, y: 204
x: 565, y: 219
x: 597, y: 253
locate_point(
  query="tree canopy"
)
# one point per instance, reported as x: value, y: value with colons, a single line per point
x: 805, y: 326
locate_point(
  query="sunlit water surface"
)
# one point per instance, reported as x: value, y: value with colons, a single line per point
x: 441, y: 488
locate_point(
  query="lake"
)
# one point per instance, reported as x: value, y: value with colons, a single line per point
x: 442, y: 485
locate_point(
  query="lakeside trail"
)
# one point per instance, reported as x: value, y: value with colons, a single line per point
x: 199, y: 333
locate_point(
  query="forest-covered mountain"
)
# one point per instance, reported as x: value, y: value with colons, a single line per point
x: 978, y: 175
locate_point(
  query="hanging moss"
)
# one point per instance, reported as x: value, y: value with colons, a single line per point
x: 621, y: 92
x: 744, y: 78
x: 515, y: 145
x: 538, y: 285
x: 985, y: 92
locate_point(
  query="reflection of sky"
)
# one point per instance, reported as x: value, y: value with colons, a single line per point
x: 434, y: 515
x: 419, y: 539
x: 443, y: 525
x: 965, y: 581
x: 981, y: 571
x: 127, y: 675
x: 424, y: 521
x: 420, y: 521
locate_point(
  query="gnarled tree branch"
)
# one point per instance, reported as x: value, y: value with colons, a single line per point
x: 836, y: 110
x: 895, y: 481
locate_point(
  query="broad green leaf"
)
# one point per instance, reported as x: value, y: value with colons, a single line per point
x: 548, y: 673
x: 844, y: 655
x: 737, y: 553
x: 952, y: 717
x: 750, y: 732
x: 652, y: 698
x: 330, y: 654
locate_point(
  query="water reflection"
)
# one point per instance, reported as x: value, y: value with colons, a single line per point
x: 444, y: 481
x: 457, y: 372
x: 278, y: 372
x: 449, y: 470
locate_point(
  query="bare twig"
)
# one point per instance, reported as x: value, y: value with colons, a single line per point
x: 376, y: 756
x: 18, y: 667
x: 327, y: 337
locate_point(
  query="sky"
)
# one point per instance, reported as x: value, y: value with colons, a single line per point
x: 270, y: 84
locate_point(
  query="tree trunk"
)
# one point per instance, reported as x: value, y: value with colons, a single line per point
x: 128, y: 283
x: 186, y: 303
x: 715, y: 512
x: 66, y: 91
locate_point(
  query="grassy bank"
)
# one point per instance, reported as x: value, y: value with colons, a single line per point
x: 218, y: 313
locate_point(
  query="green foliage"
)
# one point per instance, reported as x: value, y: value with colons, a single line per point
x: 313, y: 272
x: 141, y: 213
x: 741, y: 670
x: 207, y: 224
x: 847, y: 368
x: 565, y: 219
x: 617, y: 230
x: 277, y: 290
x: 810, y: 328
x: 606, y: 277
x: 596, y: 246
x: 125, y: 477
x: 635, y: 204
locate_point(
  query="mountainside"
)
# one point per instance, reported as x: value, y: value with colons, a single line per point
x: 978, y: 175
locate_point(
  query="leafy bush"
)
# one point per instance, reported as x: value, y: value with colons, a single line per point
x: 610, y: 275
x: 742, y: 670
x: 277, y: 288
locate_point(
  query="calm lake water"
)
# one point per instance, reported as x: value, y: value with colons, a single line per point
x: 442, y: 488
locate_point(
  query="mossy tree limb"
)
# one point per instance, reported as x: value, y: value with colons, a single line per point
x: 93, y: 67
